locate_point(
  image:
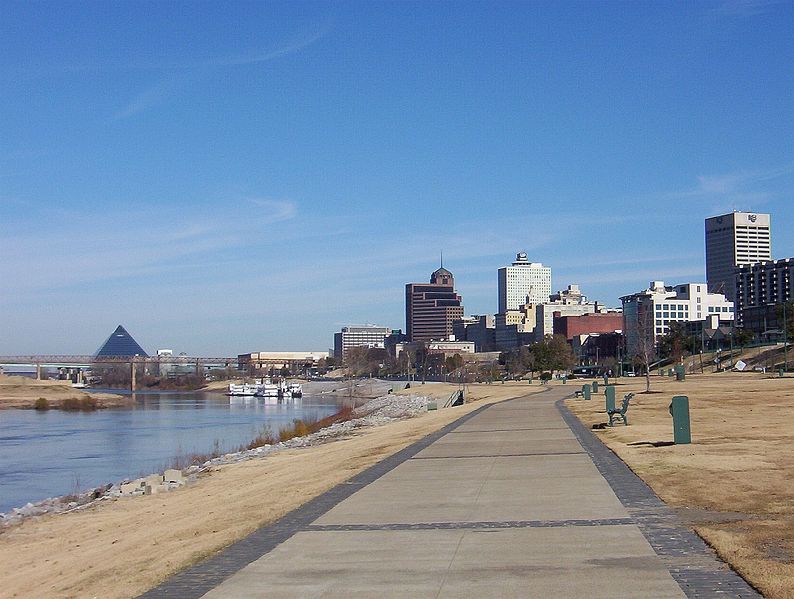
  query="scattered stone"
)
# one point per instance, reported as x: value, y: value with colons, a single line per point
x: 128, y: 488
x: 154, y: 480
x: 173, y: 476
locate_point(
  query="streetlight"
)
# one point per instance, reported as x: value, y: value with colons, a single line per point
x: 785, y: 340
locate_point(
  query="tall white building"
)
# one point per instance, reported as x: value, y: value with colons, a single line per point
x: 650, y: 312
x: 732, y: 240
x: 368, y: 335
x: 523, y: 282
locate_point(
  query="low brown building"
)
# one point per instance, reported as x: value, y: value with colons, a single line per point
x: 587, y: 324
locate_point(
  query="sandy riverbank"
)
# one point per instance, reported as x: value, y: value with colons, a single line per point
x: 123, y: 547
x: 734, y: 482
x: 22, y: 392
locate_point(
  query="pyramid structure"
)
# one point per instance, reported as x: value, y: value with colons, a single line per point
x: 120, y: 343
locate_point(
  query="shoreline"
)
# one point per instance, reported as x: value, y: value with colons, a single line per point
x: 372, y: 413
x: 17, y: 392
x: 141, y: 540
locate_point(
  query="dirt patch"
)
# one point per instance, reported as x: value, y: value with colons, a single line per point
x: 733, y: 483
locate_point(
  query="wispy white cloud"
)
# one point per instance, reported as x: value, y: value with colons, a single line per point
x: 255, y: 57
x: 147, y: 98
x: 641, y: 276
x: 276, y: 210
x: 721, y: 184
x: 165, y: 88
x: 123, y: 246
x: 743, y: 8
x: 742, y: 189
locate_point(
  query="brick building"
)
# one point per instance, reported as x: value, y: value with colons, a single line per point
x: 587, y: 324
x: 430, y: 309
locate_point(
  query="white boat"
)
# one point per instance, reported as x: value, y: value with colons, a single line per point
x: 246, y: 389
x: 281, y: 389
x: 267, y: 388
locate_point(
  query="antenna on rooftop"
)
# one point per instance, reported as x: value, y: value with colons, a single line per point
x: 442, y: 258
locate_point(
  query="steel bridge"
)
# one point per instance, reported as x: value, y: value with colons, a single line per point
x: 83, y: 362
x: 80, y: 361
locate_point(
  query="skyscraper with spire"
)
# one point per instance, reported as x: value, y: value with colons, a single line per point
x: 431, y: 308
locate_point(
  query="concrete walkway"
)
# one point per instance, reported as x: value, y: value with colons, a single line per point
x: 508, y: 504
x: 516, y: 499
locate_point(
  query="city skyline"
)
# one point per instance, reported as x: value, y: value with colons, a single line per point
x: 201, y: 179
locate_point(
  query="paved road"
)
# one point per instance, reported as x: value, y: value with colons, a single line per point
x: 506, y: 503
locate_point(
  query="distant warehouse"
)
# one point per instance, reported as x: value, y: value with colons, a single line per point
x: 294, y: 360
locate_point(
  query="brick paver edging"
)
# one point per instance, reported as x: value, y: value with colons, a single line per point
x: 691, y: 562
x: 201, y: 578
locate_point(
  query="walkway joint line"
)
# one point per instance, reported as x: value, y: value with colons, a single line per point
x: 468, y: 525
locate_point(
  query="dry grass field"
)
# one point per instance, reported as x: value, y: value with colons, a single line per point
x: 735, y: 482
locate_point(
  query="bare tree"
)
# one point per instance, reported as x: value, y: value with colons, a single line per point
x: 645, y: 343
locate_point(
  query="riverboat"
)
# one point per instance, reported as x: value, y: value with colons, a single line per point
x: 281, y: 389
x: 270, y: 389
x: 245, y: 390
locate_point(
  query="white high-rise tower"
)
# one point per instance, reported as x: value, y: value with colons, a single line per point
x: 732, y: 240
x: 521, y: 280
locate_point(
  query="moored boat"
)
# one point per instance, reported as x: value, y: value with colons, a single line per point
x: 246, y: 389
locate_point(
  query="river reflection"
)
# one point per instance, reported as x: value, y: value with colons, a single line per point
x: 46, y: 454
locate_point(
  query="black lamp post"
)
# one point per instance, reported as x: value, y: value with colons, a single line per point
x: 785, y: 340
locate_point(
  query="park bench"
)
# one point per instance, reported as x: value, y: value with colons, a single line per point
x: 621, y: 411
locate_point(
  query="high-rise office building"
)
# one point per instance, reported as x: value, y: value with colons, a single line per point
x: 732, y: 240
x: 431, y: 308
x: 368, y: 335
x: 523, y: 282
x: 761, y: 289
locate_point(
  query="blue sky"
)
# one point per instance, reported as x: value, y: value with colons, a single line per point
x: 223, y: 178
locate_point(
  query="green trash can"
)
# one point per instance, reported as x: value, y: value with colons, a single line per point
x: 586, y: 391
x: 609, y: 393
x: 595, y: 386
x: 680, y: 373
x: 679, y: 410
x: 781, y: 373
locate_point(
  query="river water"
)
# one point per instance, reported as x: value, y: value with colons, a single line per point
x: 53, y: 453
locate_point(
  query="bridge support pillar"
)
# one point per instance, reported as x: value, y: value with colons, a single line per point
x: 38, y: 372
x: 132, y: 375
